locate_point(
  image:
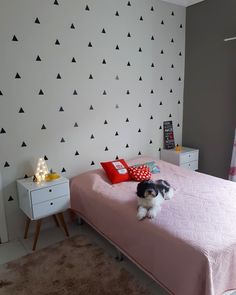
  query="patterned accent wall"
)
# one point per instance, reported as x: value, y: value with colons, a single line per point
x: 83, y: 82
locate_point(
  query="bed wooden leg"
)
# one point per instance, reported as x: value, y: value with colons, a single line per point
x: 119, y: 255
x: 80, y: 220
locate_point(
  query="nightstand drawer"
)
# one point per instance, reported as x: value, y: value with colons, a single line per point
x: 51, y: 207
x: 49, y: 193
x: 191, y: 165
x: 188, y: 157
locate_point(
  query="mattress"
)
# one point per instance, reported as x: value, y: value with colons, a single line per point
x: 190, y: 248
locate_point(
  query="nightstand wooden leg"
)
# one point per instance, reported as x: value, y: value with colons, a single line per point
x: 56, y: 221
x: 63, y: 223
x: 27, y: 224
x: 38, y: 226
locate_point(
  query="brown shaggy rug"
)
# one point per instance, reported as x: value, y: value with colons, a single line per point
x: 72, y: 267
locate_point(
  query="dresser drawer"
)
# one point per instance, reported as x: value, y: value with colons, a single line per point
x: 49, y: 193
x: 51, y: 207
x: 191, y: 165
x: 188, y: 157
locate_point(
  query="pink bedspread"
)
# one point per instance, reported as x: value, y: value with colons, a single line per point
x: 190, y: 248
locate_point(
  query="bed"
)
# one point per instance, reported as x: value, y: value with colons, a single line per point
x: 189, y: 249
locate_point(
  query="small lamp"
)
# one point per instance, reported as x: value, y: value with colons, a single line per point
x: 42, y: 170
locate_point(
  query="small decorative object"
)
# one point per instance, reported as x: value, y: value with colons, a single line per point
x: 52, y: 176
x: 169, y: 141
x: 178, y: 148
x: 42, y: 170
x: 35, y: 179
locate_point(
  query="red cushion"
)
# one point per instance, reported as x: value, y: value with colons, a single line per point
x: 140, y: 173
x: 117, y: 171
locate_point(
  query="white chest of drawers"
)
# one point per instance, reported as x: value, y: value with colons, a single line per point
x: 187, y: 157
x: 39, y: 200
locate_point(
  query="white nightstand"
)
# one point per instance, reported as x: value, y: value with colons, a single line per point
x: 187, y: 157
x: 41, y: 200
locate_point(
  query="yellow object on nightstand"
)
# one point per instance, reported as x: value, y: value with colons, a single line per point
x: 52, y: 176
x: 178, y: 148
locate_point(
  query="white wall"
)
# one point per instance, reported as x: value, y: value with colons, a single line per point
x: 17, y: 18
x: 3, y: 225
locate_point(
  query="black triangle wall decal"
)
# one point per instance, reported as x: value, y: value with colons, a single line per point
x: 90, y: 44
x: 117, y: 47
x: 106, y: 148
x: 38, y: 58
x: 2, y: 131
x: 104, y: 61
x: 127, y: 145
x: 1, y: 92
x: 72, y: 26
x: 57, y: 42
x: 37, y: 21
x: 91, y: 108
x: 76, y: 124
x: 21, y: 110
x: 117, y: 157
x: 56, y: 2
x: 141, y: 18
x: 90, y: 76
x: 152, y: 8
x: 75, y: 92
x: 58, y: 76
x: 127, y: 120
x: 92, y: 163
x: 10, y: 199
x: 73, y: 60
x: 129, y: 35
x: 62, y: 139
x: 116, y: 134
x: 105, y: 122
x: 23, y: 144
x: 41, y: 92
x: 87, y: 8
x: 61, y: 109
x: 76, y: 153
x: 14, y: 38
x: 128, y: 4
x: 43, y: 127
x: 45, y: 158
x: 117, y: 13
x: 6, y: 164
x: 92, y: 136
x: 139, y: 153
x: 63, y: 170
x: 103, y: 31
x: 17, y: 76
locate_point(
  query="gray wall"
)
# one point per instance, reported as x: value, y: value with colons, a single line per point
x: 210, y: 84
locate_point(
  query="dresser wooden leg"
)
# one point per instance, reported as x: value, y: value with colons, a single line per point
x: 56, y: 221
x: 63, y: 223
x: 27, y: 224
x: 37, y: 231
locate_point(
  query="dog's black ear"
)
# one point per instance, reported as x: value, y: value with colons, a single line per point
x: 141, y: 189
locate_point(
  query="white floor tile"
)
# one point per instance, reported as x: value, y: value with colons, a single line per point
x: 11, y: 251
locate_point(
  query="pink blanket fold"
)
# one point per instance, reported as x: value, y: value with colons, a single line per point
x: 190, y: 248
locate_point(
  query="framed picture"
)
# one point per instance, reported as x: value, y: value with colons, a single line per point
x: 169, y: 141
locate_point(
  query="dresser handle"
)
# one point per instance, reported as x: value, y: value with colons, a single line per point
x: 50, y: 191
x: 51, y: 203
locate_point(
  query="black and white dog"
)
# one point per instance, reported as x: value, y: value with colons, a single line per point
x: 150, y: 197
